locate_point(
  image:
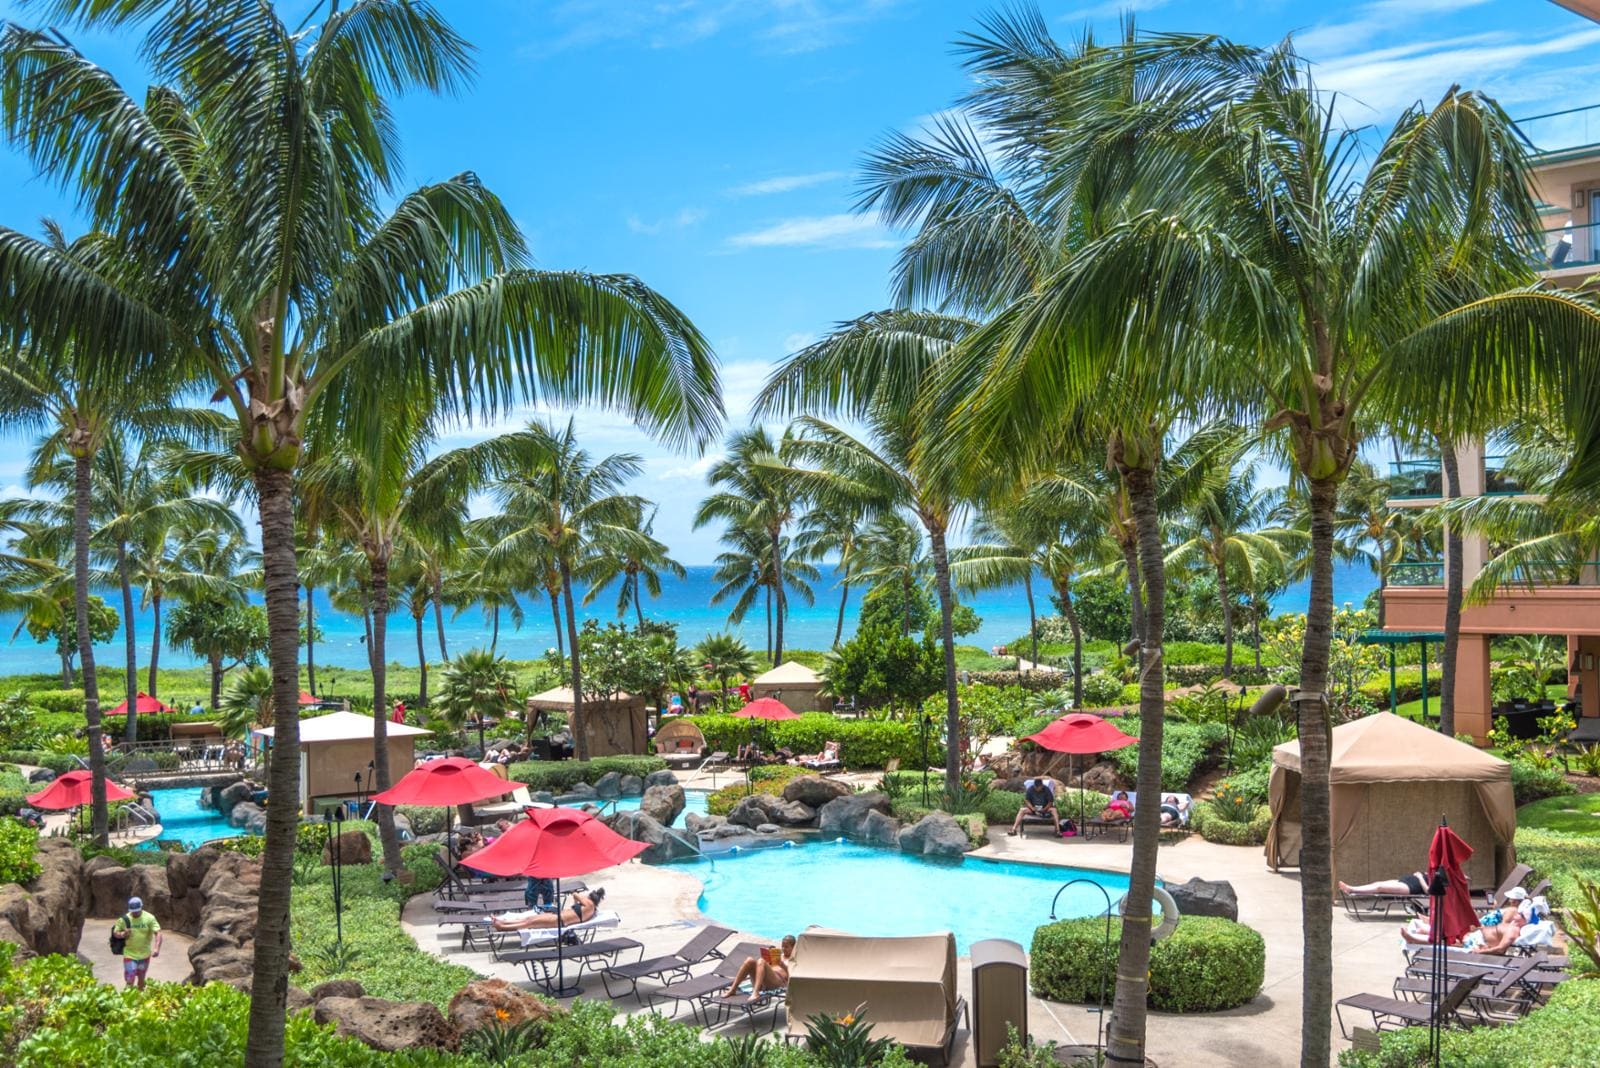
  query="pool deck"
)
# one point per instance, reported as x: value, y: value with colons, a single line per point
x: 659, y: 906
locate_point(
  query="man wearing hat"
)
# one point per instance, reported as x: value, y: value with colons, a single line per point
x: 142, y: 932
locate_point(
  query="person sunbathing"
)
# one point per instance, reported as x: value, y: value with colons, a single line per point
x: 1415, y: 885
x: 1501, y: 937
x: 765, y: 971
x: 1118, y: 808
x: 582, y: 909
x: 1173, y: 809
x: 829, y: 755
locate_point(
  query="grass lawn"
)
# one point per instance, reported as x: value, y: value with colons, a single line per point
x: 1573, y: 814
x: 1413, y: 709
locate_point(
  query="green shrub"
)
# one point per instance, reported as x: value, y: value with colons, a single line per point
x: 1205, y: 820
x: 1207, y: 964
x: 1559, y: 1034
x: 559, y: 776
x: 1561, y: 858
x: 56, y: 762
x: 424, y: 819
x: 863, y: 743
x: 18, y: 843
x: 770, y: 781
x: 1101, y: 690
x: 1530, y: 783
x: 59, y: 701
x: 1254, y: 781
x: 1185, y: 749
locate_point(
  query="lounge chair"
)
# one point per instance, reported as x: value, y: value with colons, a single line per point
x: 724, y: 1008
x: 1056, y: 791
x: 1094, y: 826
x: 541, y: 963
x: 699, y: 948
x: 908, y: 985
x: 1485, y: 899
x: 478, y: 926
x: 716, y: 980
x: 1500, y: 996
x: 827, y: 760
x: 1388, y: 1012
x: 1361, y: 906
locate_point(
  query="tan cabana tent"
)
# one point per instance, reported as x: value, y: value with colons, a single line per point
x: 680, y: 740
x: 335, y: 750
x: 905, y: 986
x: 1391, y: 780
x: 615, y: 727
x: 795, y: 685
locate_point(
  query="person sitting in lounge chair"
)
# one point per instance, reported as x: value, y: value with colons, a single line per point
x: 1173, y: 810
x: 1118, y: 808
x: 583, y: 908
x: 1415, y: 884
x: 1500, y: 937
x: 1037, y: 800
x: 768, y: 970
x: 829, y: 756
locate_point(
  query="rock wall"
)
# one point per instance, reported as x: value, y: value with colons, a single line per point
x: 47, y: 916
x: 224, y: 946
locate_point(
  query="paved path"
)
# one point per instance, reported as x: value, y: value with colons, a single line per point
x: 171, y: 967
x: 660, y: 905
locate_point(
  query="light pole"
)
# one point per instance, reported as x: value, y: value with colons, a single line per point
x: 335, y: 819
x: 927, y: 721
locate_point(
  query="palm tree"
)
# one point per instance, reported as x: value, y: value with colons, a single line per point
x: 555, y: 501
x: 179, y: 560
x: 892, y: 556
x: 756, y: 493
x: 211, y: 619
x: 834, y: 532
x: 474, y: 686
x: 724, y: 657
x: 745, y: 570
x: 1225, y: 532
x: 635, y: 557
x: 489, y: 584
x: 248, y: 251
x: 247, y: 703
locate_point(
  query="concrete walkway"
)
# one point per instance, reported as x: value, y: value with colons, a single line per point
x: 171, y: 967
x: 660, y: 906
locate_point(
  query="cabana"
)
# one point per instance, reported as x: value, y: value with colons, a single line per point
x: 680, y: 742
x: 335, y: 750
x: 1391, y: 780
x: 907, y: 985
x: 795, y: 685
x: 615, y: 727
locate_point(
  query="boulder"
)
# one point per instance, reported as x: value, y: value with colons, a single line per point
x: 664, y: 777
x: 185, y: 874
x: 257, y: 823
x: 848, y: 815
x: 1200, y: 897
x: 726, y: 830
x: 664, y: 843
x: 41, y: 775
x: 337, y: 988
x: 388, y: 1026
x: 814, y: 790
x: 354, y: 848
x: 879, y: 830
x: 150, y: 886
x: 495, y: 1003
x: 583, y: 791
x: 609, y: 786
x: 632, y: 786
x: 750, y: 811
x: 544, y: 797
x: 47, y: 916
x: 110, y: 886
x: 1101, y: 778
x: 768, y: 828
x: 697, y: 823
x: 935, y: 835
x: 663, y: 803
x: 240, y: 814
x: 230, y: 796
x: 792, y: 813
x: 224, y: 943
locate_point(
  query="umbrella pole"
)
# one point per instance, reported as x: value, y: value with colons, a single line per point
x: 562, y: 990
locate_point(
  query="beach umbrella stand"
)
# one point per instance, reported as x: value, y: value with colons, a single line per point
x: 1080, y: 733
x: 1450, y: 916
x: 765, y: 708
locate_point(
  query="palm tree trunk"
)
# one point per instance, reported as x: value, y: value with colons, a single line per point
x: 1070, y: 610
x: 311, y: 641
x: 438, y: 615
x: 952, y: 710
x: 1033, y: 621
x: 215, y: 661
x: 1255, y: 635
x: 768, y: 649
x: 638, y: 607
x: 80, y: 598
x: 905, y: 604
x: 384, y: 814
x: 580, y: 726
x: 422, y: 662
x: 494, y: 634
x: 555, y: 613
x: 1126, y: 1036
x: 155, y: 640
x: 270, y: 980
x: 366, y: 623
x: 1136, y: 613
x: 67, y: 678
x: 783, y: 601
x: 1316, y: 837
x: 1227, y: 621
x: 1454, y: 580
x: 130, y: 647
x: 838, y: 627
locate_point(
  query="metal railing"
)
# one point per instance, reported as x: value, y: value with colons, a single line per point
x: 1570, y: 245
x: 1564, y: 130
x: 1416, y: 478
x: 1545, y: 574
x: 1497, y: 481
x: 154, y: 759
x: 1417, y: 573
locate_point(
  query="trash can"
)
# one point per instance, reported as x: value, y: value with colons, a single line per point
x: 999, y: 996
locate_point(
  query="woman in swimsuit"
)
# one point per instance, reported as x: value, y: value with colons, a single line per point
x: 764, y: 976
x: 1415, y: 884
x: 583, y: 908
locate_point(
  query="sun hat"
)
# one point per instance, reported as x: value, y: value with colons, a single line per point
x: 135, y: 905
x: 1516, y: 893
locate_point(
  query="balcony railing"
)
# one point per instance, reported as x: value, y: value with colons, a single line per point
x: 1417, y: 573
x: 1497, y: 482
x: 1545, y: 575
x: 1561, y: 131
x: 1570, y: 245
x: 1416, y: 478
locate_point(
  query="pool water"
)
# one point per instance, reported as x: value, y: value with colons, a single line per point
x: 693, y: 801
x: 183, y: 820
x: 869, y: 891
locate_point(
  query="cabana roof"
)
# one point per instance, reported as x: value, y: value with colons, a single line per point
x: 559, y: 699
x: 1387, y: 748
x: 341, y: 727
x: 788, y: 673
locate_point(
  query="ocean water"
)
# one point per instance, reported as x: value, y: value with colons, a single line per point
x: 685, y: 601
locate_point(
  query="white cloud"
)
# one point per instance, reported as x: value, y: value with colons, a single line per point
x: 694, y: 471
x: 682, y: 220
x: 785, y: 183
x: 797, y: 341
x: 1113, y: 8
x: 1383, y: 18
x: 786, y: 26
x: 817, y: 231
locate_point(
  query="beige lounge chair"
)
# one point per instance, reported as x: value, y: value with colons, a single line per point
x: 906, y: 987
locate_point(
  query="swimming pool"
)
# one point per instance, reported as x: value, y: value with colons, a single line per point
x: 183, y: 820
x: 693, y: 801
x: 871, y: 891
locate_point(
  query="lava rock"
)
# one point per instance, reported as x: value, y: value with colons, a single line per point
x: 814, y: 790
x: 41, y: 775
x: 879, y: 830
x: 632, y: 786
x: 698, y: 823
x: 240, y: 814
x: 791, y: 813
x: 47, y: 916
x: 935, y: 835
x: 750, y: 812
x: 354, y: 848
x: 495, y: 1003
x: 582, y: 790
x: 1101, y: 778
x: 768, y: 828
x: 663, y: 843
x: 609, y: 786
x: 663, y: 803
x: 664, y: 777
x: 337, y: 988
x: 389, y: 1026
x: 847, y: 815
x: 544, y: 797
x: 1201, y: 897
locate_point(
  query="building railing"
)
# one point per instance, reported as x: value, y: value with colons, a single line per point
x: 157, y: 758
x: 1497, y: 481
x: 1570, y: 245
x: 1416, y: 478
x: 1417, y: 573
x: 1562, y: 131
x: 1548, y: 574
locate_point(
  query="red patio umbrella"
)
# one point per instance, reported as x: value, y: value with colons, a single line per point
x: 73, y: 789
x: 143, y: 706
x: 1080, y: 733
x: 309, y: 699
x: 446, y: 782
x: 555, y: 843
x: 766, y: 708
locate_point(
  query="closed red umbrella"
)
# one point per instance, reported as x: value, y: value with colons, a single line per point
x: 73, y: 789
x: 1450, y: 915
x: 144, y: 705
x: 555, y: 843
x: 1080, y: 733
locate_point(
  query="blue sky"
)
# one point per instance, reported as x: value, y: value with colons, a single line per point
x: 709, y: 146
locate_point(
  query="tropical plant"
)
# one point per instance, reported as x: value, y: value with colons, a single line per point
x: 247, y: 702
x: 845, y: 1041
x: 632, y: 557
x: 1581, y: 921
x: 724, y: 657
x: 473, y: 687
x: 836, y: 532
x: 225, y: 633
x: 747, y: 569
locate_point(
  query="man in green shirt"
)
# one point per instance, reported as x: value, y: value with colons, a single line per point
x: 143, y: 934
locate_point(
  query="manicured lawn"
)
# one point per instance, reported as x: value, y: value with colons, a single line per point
x: 1573, y: 814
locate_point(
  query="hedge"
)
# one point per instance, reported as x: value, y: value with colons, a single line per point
x: 60, y: 763
x: 18, y: 843
x: 1207, y: 964
x: 1562, y: 1033
x: 1530, y: 784
x: 558, y: 776
x: 863, y: 743
x: 1561, y: 858
x: 1200, y: 674
x: 1185, y: 749
x: 1204, y: 821
x: 1030, y: 680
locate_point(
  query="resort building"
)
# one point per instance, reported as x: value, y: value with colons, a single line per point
x: 1562, y: 601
